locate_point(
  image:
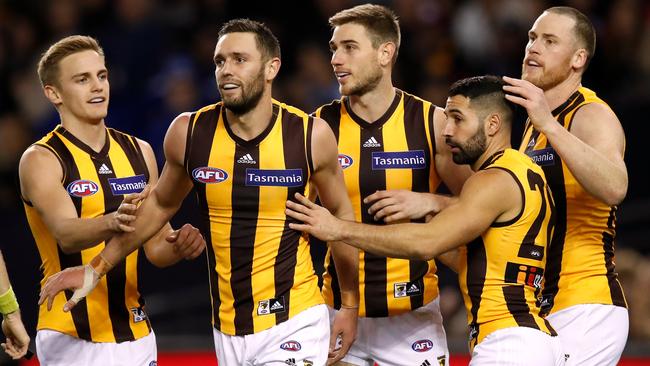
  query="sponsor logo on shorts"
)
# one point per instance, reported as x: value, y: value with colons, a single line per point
x: 422, y: 345
x: 209, y: 175
x: 425, y: 363
x: 406, y: 289
x: 274, y: 177
x: 82, y: 188
x: 345, y: 161
x: 271, y: 306
x: 543, y: 157
x: 292, y: 346
x: 127, y: 185
x: 138, y: 315
x: 290, y: 361
x: 398, y: 160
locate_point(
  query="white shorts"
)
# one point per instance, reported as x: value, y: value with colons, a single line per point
x: 592, y: 334
x: 302, y: 340
x: 518, y: 346
x: 413, y: 338
x: 57, y: 349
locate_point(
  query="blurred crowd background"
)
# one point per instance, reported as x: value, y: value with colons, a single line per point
x: 159, y: 56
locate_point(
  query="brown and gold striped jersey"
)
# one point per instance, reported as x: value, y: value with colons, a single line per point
x: 261, y: 272
x: 394, y: 152
x: 96, y: 183
x: 580, y: 267
x: 501, y: 275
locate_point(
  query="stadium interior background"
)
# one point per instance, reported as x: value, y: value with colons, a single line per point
x: 159, y: 55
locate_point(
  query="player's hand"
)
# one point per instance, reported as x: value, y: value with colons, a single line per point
x: 17, y: 339
x: 532, y: 98
x: 126, y: 213
x: 399, y: 205
x: 316, y: 220
x: 188, y: 242
x: 81, y: 279
x: 343, y: 334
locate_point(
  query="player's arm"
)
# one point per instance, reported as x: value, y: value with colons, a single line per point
x: 328, y: 181
x: 593, y: 149
x: 169, y: 246
x: 488, y: 196
x: 398, y: 205
x: 17, y: 340
x: 163, y: 201
x: 41, y: 175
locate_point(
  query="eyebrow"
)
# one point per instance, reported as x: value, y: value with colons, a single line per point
x: 544, y: 35
x: 233, y: 54
x: 343, y: 42
x: 88, y: 73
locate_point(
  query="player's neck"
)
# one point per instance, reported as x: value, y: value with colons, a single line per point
x: 91, y: 133
x: 251, y: 124
x: 559, y: 94
x: 372, y: 105
x: 496, y: 144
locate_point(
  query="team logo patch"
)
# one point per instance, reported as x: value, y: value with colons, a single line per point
x: 307, y: 363
x: 274, y: 177
x: 398, y: 160
x: 543, y: 157
x: 126, y: 185
x: 345, y: 161
x: 422, y: 345
x: 406, y: 289
x: 292, y: 346
x: 138, y: 314
x: 209, y: 175
x: 524, y: 274
x: 82, y: 188
x: 442, y: 360
x: 271, y: 306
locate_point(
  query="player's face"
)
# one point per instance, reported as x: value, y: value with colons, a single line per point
x: 354, y: 59
x: 464, y: 131
x: 239, y: 70
x: 551, y: 45
x: 82, y: 89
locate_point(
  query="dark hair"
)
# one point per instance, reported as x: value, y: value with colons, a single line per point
x: 485, y: 94
x: 48, y: 65
x: 583, y: 29
x: 380, y: 22
x: 266, y: 41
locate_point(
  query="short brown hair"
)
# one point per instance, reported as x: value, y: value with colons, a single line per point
x: 48, y: 65
x: 583, y: 29
x: 266, y: 41
x: 380, y: 22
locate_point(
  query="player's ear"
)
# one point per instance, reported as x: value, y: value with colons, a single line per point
x: 272, y: 68
x: 52, y: 94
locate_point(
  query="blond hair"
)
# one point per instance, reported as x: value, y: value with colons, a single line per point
x: 48, y: 65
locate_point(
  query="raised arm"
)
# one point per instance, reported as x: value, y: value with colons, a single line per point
x: 41, y: 175
x: 399, y: 204
x: 488, y: 196
x: 163, y: 201
x: 169, y: 246
x: 593, y: 149
x: 328, y: 181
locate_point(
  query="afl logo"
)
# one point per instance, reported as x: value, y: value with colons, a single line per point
x: 345, y: 161
x: 209, y: 175
x: 82, y: 188
x: 422, y: 345
x: 292, y: 346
